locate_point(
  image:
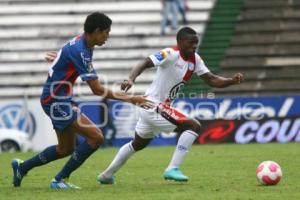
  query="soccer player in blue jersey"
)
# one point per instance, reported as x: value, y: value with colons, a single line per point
x: 73, y: 60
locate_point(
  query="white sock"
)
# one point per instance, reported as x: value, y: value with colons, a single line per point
x: 185, y: 141
x: 120, y: 159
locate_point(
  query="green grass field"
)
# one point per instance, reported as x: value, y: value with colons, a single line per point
x: 215, y: 171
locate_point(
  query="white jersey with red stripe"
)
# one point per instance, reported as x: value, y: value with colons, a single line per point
x: 173, y: 71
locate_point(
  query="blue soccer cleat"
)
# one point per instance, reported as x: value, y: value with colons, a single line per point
x: 105, y: 181
x: 176, y: 175
x: 63, y: 185
x: 17, y: 176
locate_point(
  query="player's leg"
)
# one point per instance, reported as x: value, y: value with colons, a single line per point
x: 181, y: 8
x: 94, y: 139
x: 190, y: 129
x: 143, y: 136
x: 124, y: 153
x: 65, y: 146
x: 174, y: 19
x: 166, y: 10
x: 184, y: 143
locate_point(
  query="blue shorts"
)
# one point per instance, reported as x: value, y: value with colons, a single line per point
x: 62, y: 114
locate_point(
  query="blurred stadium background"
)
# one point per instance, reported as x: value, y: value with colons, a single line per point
x: 259, y: 38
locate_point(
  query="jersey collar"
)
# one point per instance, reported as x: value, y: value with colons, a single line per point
x: 190, y: 59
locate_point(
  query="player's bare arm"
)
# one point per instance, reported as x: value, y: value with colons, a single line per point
x: 135, y: 72
x: 98, y: 89
x: 221, y: 82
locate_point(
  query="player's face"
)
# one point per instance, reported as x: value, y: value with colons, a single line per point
x: 101, y: 36
x: 188, y: 45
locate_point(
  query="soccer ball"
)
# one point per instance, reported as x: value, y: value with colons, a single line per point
x: 268, y: 173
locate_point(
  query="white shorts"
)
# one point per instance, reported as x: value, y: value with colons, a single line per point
x: 151, y: 123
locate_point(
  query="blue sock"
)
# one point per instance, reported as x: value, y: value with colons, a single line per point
x: 46, y: 156
x: 81, y: 153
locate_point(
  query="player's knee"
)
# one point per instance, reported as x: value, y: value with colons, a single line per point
x: 97, y: 140
x: 138, y: 146
x: 192, y: 125
x: 196, y: 126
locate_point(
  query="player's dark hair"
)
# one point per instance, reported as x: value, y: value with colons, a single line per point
x: 96, y: 21
x: 183, y: 32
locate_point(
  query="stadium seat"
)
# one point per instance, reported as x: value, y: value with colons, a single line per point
x: 265, y: 47
x: 30, y: 28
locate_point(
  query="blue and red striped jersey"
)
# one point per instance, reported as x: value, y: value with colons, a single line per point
x: 73, y: 60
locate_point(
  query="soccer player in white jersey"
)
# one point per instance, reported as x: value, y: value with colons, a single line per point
x: 174, y: 68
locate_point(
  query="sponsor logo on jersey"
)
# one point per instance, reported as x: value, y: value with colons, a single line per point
x: 87, y: 62
x: 191, y: 66
x: 90, y: 67
x: 175, y: 89
x: 178, y: 65
x: 160, y: 56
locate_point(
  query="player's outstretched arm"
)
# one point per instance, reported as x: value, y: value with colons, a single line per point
x: 135, y: 72
x: 98, y: 89
x: 221, y: 82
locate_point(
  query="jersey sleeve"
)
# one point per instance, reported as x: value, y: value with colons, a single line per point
x: 83, y: 63
x: 159, y: 58
x: 200, y: 67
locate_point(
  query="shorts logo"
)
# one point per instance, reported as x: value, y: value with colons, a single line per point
x: 61, y: 111
x: 160, y: 56
x: 167, y: 112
